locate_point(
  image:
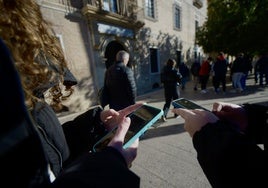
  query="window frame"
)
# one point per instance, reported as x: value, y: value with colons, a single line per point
x: 152, y: 8
x: 175, y: 17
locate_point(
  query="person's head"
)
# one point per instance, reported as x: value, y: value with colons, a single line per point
x: 220, y: 55
x: 35, y: 48
x: 122, y: 56
x: 241, y: 54
x: 210, y: 58
x: 171, y: 63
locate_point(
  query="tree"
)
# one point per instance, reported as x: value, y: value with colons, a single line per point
x: 235, y: 26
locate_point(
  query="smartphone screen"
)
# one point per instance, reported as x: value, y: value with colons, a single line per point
x: 141, y: 119
x: 185, y: 103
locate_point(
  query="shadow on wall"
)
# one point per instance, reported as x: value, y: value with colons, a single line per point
x: 166, y: 46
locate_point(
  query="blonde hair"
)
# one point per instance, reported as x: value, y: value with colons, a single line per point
x: 30, y: 38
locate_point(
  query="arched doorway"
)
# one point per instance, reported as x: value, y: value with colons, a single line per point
x: 110, y: 52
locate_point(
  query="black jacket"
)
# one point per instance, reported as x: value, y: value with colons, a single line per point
x: 230, y: 158
x: 30, y: 145
x: 121, y: 86
x: 170, y: 77
x: 220, y: 67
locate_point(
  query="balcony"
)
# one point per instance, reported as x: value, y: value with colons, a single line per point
x: 198, y: 3
x: 124, y: 13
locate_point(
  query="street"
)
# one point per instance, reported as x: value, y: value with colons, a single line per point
x: 166, y: 157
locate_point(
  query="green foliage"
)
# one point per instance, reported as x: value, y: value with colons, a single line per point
x: 235, y: 26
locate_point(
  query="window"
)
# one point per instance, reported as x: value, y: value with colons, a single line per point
x: 177, y: 17
x: 196, y: 25
x: 110, y: 5
x: 150, y: 8
x: 154, y: 60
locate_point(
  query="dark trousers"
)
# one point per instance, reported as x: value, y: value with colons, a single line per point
x: 217, y: 80
x: 204, y: 81
x: 261, y: 76
x: 171, y: 93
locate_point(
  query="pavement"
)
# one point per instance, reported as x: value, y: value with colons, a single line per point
x: 166, y: 157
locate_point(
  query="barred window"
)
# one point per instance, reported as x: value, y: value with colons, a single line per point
x: 150, y: 8
x: 177, y: 17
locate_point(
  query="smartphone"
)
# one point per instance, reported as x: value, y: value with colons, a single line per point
x: 141, y: 119
x: 188, y: 104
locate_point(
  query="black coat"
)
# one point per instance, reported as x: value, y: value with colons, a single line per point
x: 230, y: 158
x: 121, y: 86
x: 171, y: 78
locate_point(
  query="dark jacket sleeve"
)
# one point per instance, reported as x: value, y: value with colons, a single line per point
x: 132, y: 85
x: 258, y: 120
x: 229, y: 158
x: 102, y: 169
x: 83, y: 132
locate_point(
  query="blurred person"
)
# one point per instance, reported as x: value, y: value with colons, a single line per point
x: 220, y: 71
x: 204, y: 74
x: 247, y: 70
x: 185, y: 73
x: 195, y: 68
x: 262, y: 66
x: 171, y: 78
x: 64, y: 150
x: 237, y: 71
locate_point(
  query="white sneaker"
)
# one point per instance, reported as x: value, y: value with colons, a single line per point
x: 203, y: 91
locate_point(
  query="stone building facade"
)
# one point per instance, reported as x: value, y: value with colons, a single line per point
x: 93, y: 31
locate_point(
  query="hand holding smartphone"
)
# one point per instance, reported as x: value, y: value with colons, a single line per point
x: 187, y: 104
x: 141, y: 119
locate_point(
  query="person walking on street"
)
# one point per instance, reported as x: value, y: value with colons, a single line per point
x: 185, y: 73
x: 220, y: 71
x: 237, y: 71
x: 204, y: 73
x: 171, y: 79
x: 262, y: 66
x: 120, y: 83
x: 195, y: 67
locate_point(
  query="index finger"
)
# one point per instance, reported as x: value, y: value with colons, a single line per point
x: 131, y: 108
x: 184, y: 113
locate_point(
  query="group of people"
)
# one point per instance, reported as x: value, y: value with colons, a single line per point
x: 37, y: 151
x: 217, y: 69
x: 174, y: 78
